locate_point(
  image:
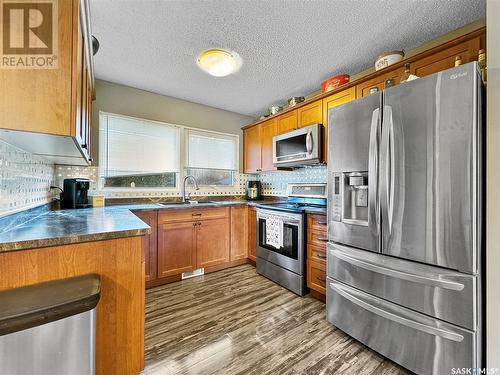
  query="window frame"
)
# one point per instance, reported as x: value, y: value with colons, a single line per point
x: 185, y: 159
x: 183, y: 139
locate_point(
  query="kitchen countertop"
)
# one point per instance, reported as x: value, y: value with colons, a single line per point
x: 62, y: 227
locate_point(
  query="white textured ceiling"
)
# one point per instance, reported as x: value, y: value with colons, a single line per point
x: 287, y: 47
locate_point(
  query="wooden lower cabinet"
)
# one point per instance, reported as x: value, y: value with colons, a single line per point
x: 316, y: 252
x: 150, y: 217
x: 239, y: 233
x: 316, y: 276
x: 210, y: 238
x: 120, y: 312
x: 212, y: 242
x: 176, y: 248
x: 252, y: 233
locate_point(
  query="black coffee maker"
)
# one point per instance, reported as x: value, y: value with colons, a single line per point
x: 75, y: 193
x: 253, y: 191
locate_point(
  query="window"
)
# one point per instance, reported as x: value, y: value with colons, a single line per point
x: 138, y: 153
x: 212, y: 158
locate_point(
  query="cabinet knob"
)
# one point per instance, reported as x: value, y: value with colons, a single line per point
x: 84, y: 145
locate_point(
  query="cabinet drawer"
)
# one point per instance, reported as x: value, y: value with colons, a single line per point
x: 316, y: 253
x: 316, y: 276
x: 317, y: 238
x: 169, y: 216
x: 316, y: 222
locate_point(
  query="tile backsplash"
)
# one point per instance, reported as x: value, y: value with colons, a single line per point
x: 273, y: 183
x: 25, y: 179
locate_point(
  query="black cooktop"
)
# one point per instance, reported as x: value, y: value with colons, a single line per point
x: 296, y: 204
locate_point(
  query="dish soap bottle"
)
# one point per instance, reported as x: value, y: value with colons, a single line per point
x: 407, y: 76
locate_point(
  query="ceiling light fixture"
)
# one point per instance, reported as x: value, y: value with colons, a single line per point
x: 219, y: 62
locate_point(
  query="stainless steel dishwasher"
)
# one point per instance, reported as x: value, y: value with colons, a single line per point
x: 49, y: 328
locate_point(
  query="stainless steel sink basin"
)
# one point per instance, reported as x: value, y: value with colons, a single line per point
x: 187, y: 203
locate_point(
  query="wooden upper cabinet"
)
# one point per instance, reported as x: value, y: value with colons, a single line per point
x: 212, y: 242
x: 330, y: 102
x: 267, y: 132
x: 149, y: 242
x: 445, y: 59
x: 310, y: 114
x: 40, y: 100
x: 54, y: 101
x: 239, y: 232
x: 363, y: 89
x: 176, y: 248
x: 252, y: 149
x: 287, y: 121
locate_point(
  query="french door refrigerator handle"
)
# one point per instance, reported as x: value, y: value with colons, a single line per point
x: 386, y: 168
x: 373, y: 203
x: 413, y: 277
x: 396, y: 318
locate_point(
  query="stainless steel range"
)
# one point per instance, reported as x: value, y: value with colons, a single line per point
x: 281, y: 233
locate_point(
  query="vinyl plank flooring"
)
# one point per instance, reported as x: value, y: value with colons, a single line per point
x: 237, y: 322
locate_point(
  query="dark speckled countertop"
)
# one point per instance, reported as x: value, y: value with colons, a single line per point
x: 42, y: 228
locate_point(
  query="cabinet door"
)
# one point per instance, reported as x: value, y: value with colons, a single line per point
x: 252, y: 233
x: 330, y: 102
x: 40, y: 100
x: 310, y: 114
x: 268, y: 131
x: 445, y: 59
x: 212, y: 242
x: 363, y: 89
x: 150, y: 242
x: 251, y: 149
x: 239, y: 233
x: 316, y: 276
x: 176, y: 248
x: 287, y: 122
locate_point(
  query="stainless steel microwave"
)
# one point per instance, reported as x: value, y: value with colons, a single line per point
x: 298, y: 147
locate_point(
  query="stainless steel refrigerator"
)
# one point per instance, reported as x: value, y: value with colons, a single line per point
x: 405, y: 221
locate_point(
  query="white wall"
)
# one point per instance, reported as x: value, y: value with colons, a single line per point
x: 493, y: 186
x: 129, y: 101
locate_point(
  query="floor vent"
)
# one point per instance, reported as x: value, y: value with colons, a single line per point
x: 198, y: 272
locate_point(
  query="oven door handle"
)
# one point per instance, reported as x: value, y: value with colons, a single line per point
x: 294, y: 222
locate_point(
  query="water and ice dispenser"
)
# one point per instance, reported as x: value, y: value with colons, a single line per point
x: 350, y: 198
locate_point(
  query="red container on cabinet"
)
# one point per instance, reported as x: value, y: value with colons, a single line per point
x: 334, y: 82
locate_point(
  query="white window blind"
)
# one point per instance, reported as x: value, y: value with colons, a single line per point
x: 131, y: 146
x: 207, y: 150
